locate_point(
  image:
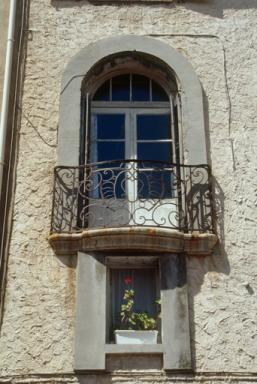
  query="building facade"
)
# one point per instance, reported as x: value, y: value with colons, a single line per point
x: 134, y: 168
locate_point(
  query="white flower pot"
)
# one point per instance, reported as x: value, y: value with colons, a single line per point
x: 135, y: 337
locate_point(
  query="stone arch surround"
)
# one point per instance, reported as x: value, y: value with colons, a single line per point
x: 171, y: 247
x: 80, y: 65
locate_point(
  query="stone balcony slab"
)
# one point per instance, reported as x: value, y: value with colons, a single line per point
x: 145, y: 239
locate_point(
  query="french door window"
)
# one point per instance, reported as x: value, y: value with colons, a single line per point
x: 131, y: 119
x: 131, y: 149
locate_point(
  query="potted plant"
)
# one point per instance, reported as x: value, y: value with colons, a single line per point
x: 136, y: 327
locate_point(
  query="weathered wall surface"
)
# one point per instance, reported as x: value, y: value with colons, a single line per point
x: 219, y: 39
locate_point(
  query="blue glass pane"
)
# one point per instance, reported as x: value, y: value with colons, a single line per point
x: 144, y: 281
x: 110, y: 151
x: 140, y: 88
x: 103, y: 93
x: 110, y: 126
x: 158, y: 93
x: 153, y: 127
x: 155, y: 184
x: 154, y: 151
x: 121, y: 88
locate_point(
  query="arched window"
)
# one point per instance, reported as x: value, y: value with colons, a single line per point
x: 130, y: 137
x: 133, y: 112
x: 131, y: 119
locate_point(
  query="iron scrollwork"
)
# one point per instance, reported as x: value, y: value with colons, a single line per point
x: 132, y: 193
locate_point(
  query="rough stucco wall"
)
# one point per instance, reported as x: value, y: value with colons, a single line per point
x: 37, y: 332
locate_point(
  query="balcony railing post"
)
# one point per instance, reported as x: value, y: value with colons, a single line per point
x: 53, y: 202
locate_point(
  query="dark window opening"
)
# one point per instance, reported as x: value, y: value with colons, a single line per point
x: 145, y: 284
x: 130, y: 87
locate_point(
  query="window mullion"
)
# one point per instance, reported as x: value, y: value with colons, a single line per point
x: 127, y: 135
x: 172, y: 129
x: 87, y: 129
x: 134, y: 134
x: 93, y: 140
x: 130, y: 143
x: 135, y: 157
x: 110, y: 95
x: 130, y: 87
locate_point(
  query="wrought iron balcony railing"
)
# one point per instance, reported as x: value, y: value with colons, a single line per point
x: 132, y: 193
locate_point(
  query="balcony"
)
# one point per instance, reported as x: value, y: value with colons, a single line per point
x: 132, y: 205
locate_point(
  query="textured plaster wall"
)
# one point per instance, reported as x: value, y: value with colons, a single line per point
x: 219, y: 39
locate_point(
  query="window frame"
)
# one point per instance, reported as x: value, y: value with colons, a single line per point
x: 130, y: 138
x: 115, y: 263
x: 131, y: 109
x: 91, y: 346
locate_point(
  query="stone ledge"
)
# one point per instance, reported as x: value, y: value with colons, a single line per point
x: 132, y: 377
x: 146, y: 239
x: 113, y: 349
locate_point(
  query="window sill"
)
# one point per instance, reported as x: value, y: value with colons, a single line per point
x: 113, y: 349
x: 154, y: 239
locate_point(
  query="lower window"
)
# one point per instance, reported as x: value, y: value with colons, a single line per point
x: 101, y: 282
x: 134, y: 303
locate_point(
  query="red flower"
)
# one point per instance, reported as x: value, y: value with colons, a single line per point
x: 127, y: 280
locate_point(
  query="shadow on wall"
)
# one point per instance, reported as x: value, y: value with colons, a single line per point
x: 213, y: 8
x: 210, y: 268
x: 207, y: 127
x: 208, y: 271
x: 216, y: 8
